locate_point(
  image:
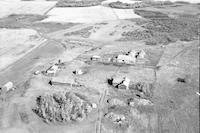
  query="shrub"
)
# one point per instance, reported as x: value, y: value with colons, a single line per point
x: 62, y: 107
x: 73, y: 3
x: 161, y: 29
x: 140, y: 4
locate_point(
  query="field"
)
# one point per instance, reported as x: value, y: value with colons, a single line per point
x: 95, y: 14
x: 85, y: 67
x: 32, y: 21
x: 16, y: 43
x: 191, y: 1
x: 40, y: 8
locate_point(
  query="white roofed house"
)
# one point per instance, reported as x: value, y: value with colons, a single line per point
x: 125, y: 59
x: 9, y: 86
x: 52, y: 70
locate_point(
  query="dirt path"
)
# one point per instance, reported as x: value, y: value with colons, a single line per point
x: 100, y: 113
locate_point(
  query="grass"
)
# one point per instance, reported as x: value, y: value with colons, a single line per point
x: 51, y: 26
x: 18, y: 21
x: 33, y: 22
x: 121, y: 5
x: 85, y: 32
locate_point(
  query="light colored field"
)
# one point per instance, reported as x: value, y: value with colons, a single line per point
x: 134, y: 1
x: 24, y: 7
x: 191, y: 1
x: 16, y: 43
x: 93, y: 14
x: 124, y: 1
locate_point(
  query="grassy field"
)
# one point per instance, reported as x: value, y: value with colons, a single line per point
x: 15, y: 43
x: 25, y: 7
x: 32, y: 21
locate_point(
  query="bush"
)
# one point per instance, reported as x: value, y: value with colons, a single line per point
x: 177, y: 28
x: 140, y: 4
x: 122, y: 5
x: 73, y: 3
x: 136, y: 35
x: 164, y: 30
x: 62, y: 107
x: 85, y: 32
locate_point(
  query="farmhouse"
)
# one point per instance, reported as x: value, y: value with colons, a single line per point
x: 8, y: 87
x: 126, y: 59
x: 52, y: 70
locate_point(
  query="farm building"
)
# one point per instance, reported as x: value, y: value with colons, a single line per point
x: 8, y: 87
x: 52, y: 70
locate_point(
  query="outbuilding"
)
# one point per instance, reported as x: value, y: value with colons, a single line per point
x: 126, y: 59
x: 9, y: 86
x: 52, y: 70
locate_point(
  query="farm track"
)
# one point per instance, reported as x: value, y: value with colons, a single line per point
x: 98, y: 124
